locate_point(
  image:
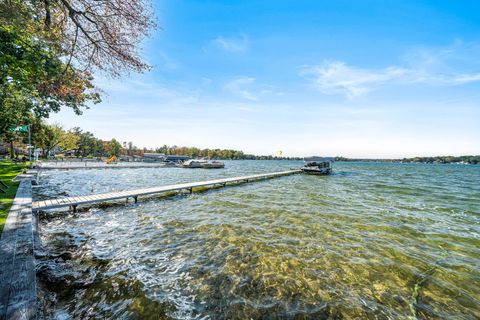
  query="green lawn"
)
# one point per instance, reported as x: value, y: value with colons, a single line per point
x: 8, y: 171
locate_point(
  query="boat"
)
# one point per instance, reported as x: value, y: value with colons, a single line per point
x: 317, y: 165
x: 213, y: 164
x: 202, y: 163
x: 194, y: 163
x: 169, y: 164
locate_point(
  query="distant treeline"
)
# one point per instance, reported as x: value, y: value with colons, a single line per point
x: 213, y: 153
x: 439, y: 159
x: 54, y: 140
x: 445, y: 159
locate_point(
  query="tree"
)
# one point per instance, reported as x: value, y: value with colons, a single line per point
x: 49, y: 50
x: 130, y: 148
x: 92, y: 34
x: 69, y: 141
x: 49, y: 137
x: 33, y: 79
x: 87, y: 144
x: 115, y: 148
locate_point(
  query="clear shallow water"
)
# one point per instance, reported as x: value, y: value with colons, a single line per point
x: 373, y: 240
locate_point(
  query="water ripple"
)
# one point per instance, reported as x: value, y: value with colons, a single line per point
x: 377, y: 241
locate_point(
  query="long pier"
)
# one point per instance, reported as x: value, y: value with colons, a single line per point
x: 73, y: 202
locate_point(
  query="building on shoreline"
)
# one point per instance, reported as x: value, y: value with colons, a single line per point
x: 153, y: 157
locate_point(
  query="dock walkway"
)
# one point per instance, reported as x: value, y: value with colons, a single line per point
x: 90, y: 199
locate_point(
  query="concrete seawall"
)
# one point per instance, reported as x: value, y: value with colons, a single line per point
x: 18, y: 288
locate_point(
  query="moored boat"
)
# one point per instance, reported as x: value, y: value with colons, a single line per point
x: 202, y: 163
x: 317, y: 165
x: 194, y: 163
x: 170, y: 164
x: 213, y: 164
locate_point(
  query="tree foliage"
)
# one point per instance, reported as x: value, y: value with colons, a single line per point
x: 87, y: 145
x: 92, y: 34
x: 103, y: 33
x: 48, y: 137
x: 33, y: 78
x: 69, y: 141
x: 84, y: 144
x: 445, y: 159
x: 49, y: 50
x: 428, y: 160
x: 115, y: 147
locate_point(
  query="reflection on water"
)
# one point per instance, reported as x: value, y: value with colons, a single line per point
x: 371, y: 241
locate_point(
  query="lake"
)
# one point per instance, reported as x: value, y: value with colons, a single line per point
x: 373, y: 240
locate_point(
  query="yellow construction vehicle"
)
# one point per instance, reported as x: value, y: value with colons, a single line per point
x: 111, y: 159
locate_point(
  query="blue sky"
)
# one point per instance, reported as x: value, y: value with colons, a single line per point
x: 350, y: 78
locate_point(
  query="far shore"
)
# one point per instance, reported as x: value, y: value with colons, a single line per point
x: 471, y: 160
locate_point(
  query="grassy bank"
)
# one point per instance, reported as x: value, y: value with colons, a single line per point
x: 8, y: 171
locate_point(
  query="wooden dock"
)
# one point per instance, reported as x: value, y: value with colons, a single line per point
x: 73, y: 202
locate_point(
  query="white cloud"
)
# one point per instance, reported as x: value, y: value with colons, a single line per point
x: 451, y: 65
x: 248, y: 88
x: 141, y: 88
x: 236, y: 44
x: 465, y: 78
x: 237, y: 87
x: 336, y: 77
x: 448, y: 66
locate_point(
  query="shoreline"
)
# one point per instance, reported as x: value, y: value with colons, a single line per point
x: 18, y: 286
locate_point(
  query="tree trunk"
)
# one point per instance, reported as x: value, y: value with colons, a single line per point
x: 48, y: 18
x: 12, y: 150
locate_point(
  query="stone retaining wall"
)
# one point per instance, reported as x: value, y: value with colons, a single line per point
x: 18, y: 289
